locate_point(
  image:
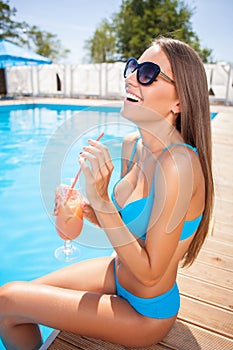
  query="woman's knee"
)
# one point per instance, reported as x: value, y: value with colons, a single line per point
x: 8, y: 297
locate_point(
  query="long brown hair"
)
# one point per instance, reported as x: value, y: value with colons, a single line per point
x: 193, y: 123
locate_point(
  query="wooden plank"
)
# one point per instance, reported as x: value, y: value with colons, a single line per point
x: 223, y: 196
x: 223, y: 230
x: 222, y: 168
x: 205, y: 292
x: 185, y: 336
x: 206, y: 316
x: 224, y: 192
x: 215, y: 245
x: 223, y: 210
x: 85, y: 343
x: 222, y: 236
x: 181, y: 334
x: 59, y: 344
x: 216, y: 259
x: 222, y: 176
x: 219, y: 146
x: 209, y: 273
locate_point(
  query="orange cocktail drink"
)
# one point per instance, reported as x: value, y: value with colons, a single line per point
x: 69, y: 220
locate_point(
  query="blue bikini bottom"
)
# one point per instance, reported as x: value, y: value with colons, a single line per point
x: 163, y: 306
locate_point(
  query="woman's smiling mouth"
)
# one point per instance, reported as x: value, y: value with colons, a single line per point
x: 132, y: 98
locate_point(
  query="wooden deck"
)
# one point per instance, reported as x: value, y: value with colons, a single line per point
x: 205, y: 319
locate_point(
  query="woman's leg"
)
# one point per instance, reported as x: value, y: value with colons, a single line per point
x: 94, y: 275
x: 92, y: 314
x: 99, y: 314
x: 75, y: 277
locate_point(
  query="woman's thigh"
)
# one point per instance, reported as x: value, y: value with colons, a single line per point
x: 94, y: 275
x: 97, y: 315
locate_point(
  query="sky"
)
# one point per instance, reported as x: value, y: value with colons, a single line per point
x: 74, y: 22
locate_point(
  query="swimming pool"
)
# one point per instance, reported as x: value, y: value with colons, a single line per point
x: 33, y: 139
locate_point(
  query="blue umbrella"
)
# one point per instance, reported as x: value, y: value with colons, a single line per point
x: 14, y: 55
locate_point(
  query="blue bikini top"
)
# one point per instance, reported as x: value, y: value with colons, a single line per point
x: 136, y: 215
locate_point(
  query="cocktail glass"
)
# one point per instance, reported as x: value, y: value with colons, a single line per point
x: 69, y: 221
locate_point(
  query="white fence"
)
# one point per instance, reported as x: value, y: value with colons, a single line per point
x: 103, y: 80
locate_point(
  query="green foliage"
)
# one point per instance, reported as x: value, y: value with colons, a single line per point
x: 41, y: 42
x: 9, y: 29
x: 139, y: 22
x: 102, y: 46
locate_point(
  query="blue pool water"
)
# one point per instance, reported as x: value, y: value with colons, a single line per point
x: 39, y: 145
x: 29, y: 137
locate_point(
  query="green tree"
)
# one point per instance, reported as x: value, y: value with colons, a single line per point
x: 41, y: 42
x: 9, y: 29
x: 102, y: 47
x: 139, y: 21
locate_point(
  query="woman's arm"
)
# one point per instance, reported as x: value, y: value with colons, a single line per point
x: 173, y: 191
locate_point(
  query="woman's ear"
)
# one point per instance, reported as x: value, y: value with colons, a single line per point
x: 176, y: 108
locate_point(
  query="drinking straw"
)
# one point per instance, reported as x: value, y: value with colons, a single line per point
x: 78, y: 173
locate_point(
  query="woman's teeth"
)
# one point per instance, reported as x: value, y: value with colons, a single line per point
x: 132, y: 98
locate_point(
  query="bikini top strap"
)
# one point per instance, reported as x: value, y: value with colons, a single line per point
x: 180, y: 144
x: 133, y: 153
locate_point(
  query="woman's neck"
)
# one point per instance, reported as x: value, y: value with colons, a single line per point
x: 159, y: 135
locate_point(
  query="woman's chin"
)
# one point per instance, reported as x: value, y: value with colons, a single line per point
x: 131, y: 110
x: 137, y: 112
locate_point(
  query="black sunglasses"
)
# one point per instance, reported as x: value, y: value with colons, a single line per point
x: 147, y: 72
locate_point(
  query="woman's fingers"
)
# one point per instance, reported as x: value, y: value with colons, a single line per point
x: 85, y: 168
x: 94, y: 165
x: 101, y: 152
x: 104, y: 150
x: 97, y: 167
x: 96, y: 159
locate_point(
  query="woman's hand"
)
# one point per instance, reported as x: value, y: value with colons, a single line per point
x: 97, y: 168
x: 89, y: 213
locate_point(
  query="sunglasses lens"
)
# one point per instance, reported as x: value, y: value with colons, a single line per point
x: 147, y: 73
x: 130, y: 67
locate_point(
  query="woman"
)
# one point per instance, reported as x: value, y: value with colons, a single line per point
x: 157, y: 216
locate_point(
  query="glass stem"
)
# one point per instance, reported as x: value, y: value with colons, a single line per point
x: 68, y: 247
